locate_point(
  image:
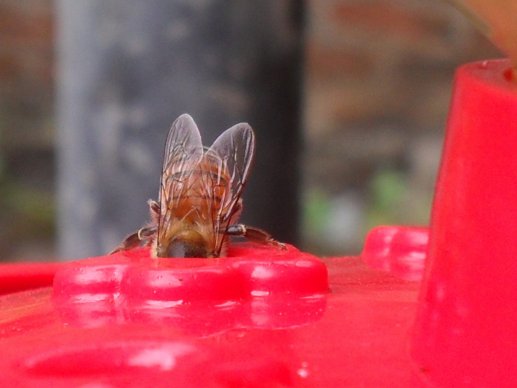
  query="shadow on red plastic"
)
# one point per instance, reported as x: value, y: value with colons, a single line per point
x: 111, y: 358
x: 158, y: 363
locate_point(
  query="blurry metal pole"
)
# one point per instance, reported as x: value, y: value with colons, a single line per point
x: 128, y: 68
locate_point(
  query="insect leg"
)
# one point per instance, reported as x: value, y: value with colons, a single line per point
x: 131, y: 241
x: 135, y: 239
x: 253, y: 234
x: 154, y: 209
x: 146, y: 233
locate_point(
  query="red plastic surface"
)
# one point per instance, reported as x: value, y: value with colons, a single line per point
x: 397, y: 249
x: 266, y: 317
x: 249, y: 289
x: 24, y: 276
x: 263, y: 317
x: 466, y: 333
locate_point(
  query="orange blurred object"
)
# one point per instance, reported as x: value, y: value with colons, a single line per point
x: 496, y: 19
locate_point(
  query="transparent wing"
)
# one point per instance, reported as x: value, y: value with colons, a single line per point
x: 233, y: 151
x: 183, y: 151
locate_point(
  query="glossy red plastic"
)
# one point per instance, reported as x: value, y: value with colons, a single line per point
x: 248, y: 289
x: 466, y: 332
x: 259, y: 318
x: 400, y: 250
x: 24, y: 276
x: 265, y: 317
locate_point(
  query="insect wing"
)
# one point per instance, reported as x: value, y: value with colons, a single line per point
x: 235, y: 149
x: 183, y: 151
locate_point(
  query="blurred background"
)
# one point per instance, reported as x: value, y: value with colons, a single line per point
x: 374, y: 80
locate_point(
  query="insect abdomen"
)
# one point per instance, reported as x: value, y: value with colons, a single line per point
x: 204, y: 188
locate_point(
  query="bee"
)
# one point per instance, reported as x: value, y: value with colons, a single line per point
x: 199, y: 200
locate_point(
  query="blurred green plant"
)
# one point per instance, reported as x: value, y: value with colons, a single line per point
x: 387, y: 190
x: 316, y: 208
x: 392, y: 201
x: 27, y: 214
x: 30, y: 210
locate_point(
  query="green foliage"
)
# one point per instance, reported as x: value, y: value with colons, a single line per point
x: 316, y: 208
x: 392, y: 201
x: 387, y: 191
x: 26, y: 212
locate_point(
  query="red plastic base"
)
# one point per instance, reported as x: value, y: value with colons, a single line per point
x: 266, y: 317
x: 262, y: 317
x: 465, y: 332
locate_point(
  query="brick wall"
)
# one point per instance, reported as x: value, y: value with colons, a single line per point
x: 26, y: 129
x: 379, y: 76
x: 26, y: 69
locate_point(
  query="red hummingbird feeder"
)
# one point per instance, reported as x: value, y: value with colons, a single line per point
x: 270, y: 317
x: 465, y: 329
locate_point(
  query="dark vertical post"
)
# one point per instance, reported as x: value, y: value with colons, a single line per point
x: 128, y: 68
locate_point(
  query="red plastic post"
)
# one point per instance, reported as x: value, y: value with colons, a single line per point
x: 16, y: 277
x: 261, y: 317
x: 466, y: 326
